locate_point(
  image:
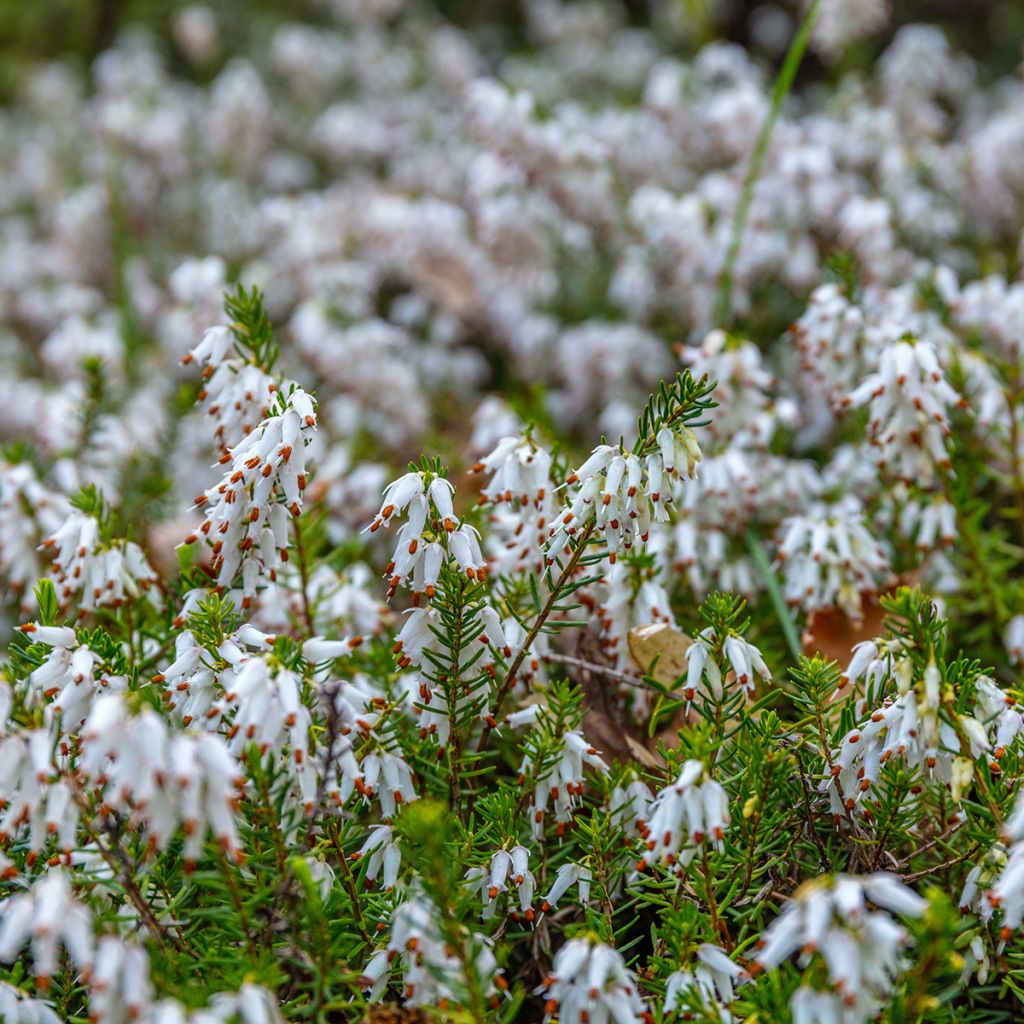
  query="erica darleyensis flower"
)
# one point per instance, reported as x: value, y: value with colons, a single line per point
x: 1006, y: 895
x: 47, y: 916
x: 829, y: 558
x: 590, y: 982
x: 431, y: 533
x: 69, y: 677
x: 706, y: 669
x: 622, y: 493
x: 562, y: 780
x: 910, y: 727
x: 709, y: 983
x: 432, y: 975
x: 162, y: 781
x: 694, y: 809
x: 507, y: 868
x: 861, y: 948
x: 95, y: 573
x: 246, y: 514
x: 908, y: 399
x: 236, y: 393
x: 18, y: 1008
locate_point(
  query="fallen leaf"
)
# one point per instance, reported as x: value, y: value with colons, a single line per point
x: 833, y: 633
x: 663, y: 642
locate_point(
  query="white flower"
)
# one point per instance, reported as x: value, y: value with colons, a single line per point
x: 683, y: 816
x: 590, y: 981
x: 47, y: 916
x: 909, y: 398
x: 711, y: 980
x: 431, y: 534
x: 520, y: 473
x: 16, y: 1007
x: 246, y: 514
x: 506, y: 866
x: 562, y: 781
x: 120, y: 986
x: 862, y: 949
x: 29, y: 512
x: 166, y: 781
x: 386, y: 776
x: 1013, y: 639
x: 382, y: 852
x: 910, y: 727
x: 236, y: 393
x: 568, y: 875
x: 929, y: 522
x: 263, y: 705
x: 829, y: 558
x: 432, y: 974
x: 95, y: 574
x: 622, y: 493
x: 704, y: 673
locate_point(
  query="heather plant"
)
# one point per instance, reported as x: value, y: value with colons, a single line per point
x: 512, y: 531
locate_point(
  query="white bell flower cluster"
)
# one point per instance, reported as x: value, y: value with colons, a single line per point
x: 69, y: 677
x: 862, y: 949
x: 995, y: 886
x: 48, y: 917
x: 709, y: 983
x: 622, y: 494
x: 262, y: 704
x: 245, y: 520
x: 17, y: 1007
x: 162, y: 781
x: 34, y: 795
x: 431, y: 973
x: 522, y: 493
x: 560, y: 783
x: 29, y: 513
x: 743, y: 417
x: 383, y: 856
x: 590, y: 982
x: 431, y: 534
x: 909, y: 400
x: 829, y: 559
x: 911, y: 727
x: 707, y: 673
x: 506, y: 866
x: 94, y: 574
x: 685, y: 815
x: 236, y: 393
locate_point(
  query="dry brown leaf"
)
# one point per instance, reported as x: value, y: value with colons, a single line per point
x: 662, y: 641
x: 833, y: 634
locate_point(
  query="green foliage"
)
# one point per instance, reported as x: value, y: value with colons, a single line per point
x: 251, y: 327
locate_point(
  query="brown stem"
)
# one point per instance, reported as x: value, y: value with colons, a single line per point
x: 718, y: 926
x: 545, y: 612
x: 236, y: 898
x: 350, y: 884
x: 119, y: 862
x: 591, y: 666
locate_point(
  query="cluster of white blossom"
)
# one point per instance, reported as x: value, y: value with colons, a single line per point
x: 590, y: 981
x: 684, y: 815
x: 862, y: 949
x: 914, y: 725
